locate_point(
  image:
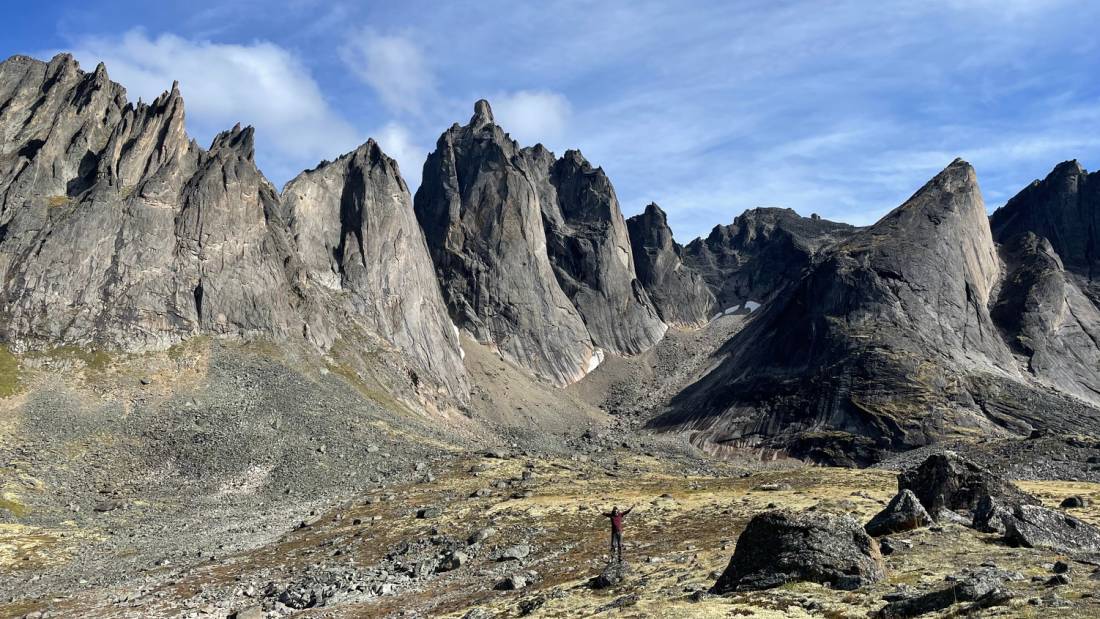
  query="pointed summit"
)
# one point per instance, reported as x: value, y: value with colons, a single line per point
x: 677, y: 291
x: 483, y: 115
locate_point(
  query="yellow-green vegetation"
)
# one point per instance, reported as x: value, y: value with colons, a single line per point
x: 57, y: 201
x: 9, y: 373
x: 10, y: 504
x: 126, y: 191
x: 93, y: 359
x: 188, y: 347
x: 378, y: 395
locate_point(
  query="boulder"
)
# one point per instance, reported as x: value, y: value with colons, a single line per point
x: 613, y: 574
x: 1075, y: 502
x: 946, y: 480
x: 481, y: 535
x: 514, y: 582
x: 453, y: 561
x: 981, y: 589
x: 515, y: 553
x: 903, y: 513
x: 780, y: 547
x: 1033, y: 526
x: 989, y: 515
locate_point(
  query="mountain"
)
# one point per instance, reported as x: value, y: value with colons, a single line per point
x: 532, y: 252
x: 888, y: 343
x: 760, y: 253
x: 117, y: 231
x: 678, y: 292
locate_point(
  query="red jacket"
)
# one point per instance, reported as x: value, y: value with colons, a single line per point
x: 617, y: 520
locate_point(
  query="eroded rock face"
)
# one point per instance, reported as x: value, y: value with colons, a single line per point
x: 760, y: 253
x: 531, y: 252
x: 781, y: 547
x: 118, y: 231
x: 888, y: 338
x: 678, y: 292
x: 353, y: 224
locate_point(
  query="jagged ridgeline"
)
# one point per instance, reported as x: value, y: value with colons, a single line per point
x: 118, y: 231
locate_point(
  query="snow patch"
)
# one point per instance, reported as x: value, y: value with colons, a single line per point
x: 595, y: 360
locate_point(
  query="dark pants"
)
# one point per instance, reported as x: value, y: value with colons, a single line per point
x: 617, y: 544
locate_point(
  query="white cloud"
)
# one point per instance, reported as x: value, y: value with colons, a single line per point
x: 393, y: 66
x: 397, y: 142
x: 259, y: 84
x: 532, y: 116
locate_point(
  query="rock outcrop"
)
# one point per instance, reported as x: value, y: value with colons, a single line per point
x: 781, y: 547
x: 678, y: 292
x: 948, y: 481
x: 763, y: 251
x: 531, y: 252
x: 887, y: 338
x: 1034, y: 526
x: 118, y: 231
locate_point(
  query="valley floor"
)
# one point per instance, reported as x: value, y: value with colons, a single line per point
x: 379, y: 553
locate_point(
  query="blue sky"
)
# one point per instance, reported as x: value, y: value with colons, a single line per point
x: 841, y: 108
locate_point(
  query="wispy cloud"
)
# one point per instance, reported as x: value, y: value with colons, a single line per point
x: 533, y: 115
x: 393, y: 66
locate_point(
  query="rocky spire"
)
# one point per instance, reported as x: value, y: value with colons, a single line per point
x: 677, y: 291
x: 483, y: 221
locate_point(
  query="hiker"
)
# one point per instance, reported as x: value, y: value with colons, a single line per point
x: 616, y: 517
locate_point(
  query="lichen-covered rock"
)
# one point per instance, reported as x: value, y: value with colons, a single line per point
x: 1034, y: 526
x: 903, y: 513
x: 678, y: 292
x: 781, y: 547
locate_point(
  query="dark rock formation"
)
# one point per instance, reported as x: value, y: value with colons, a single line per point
x: 612, y: 575
x: 589, y: 246
x: 1063, y: 208
x: 888, y: 338
x: 780, y: 547
x: 1033, y: 526
x: 989, y: 515
x: 532, y: 253
x: 680, y: 295
x: 948, y: 481
x: 903, y: 513
x: 760, y: 253
x: 118, y: 231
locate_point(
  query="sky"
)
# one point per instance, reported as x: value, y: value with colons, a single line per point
x: 841, y: 108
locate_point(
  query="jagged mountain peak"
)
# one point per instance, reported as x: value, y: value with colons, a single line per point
x: 483, y: 115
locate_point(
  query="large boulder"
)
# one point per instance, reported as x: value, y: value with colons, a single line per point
x: 904, y: 513
x: 613, y: 574
x: 980, y: 589
x: 780, y: 547
x: 946, y: 480
x: 1033, y: 526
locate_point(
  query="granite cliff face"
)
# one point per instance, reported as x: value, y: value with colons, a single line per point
x: 532, y: 253
x: 118, y: 231
x: 678, y: 292
x: 886, y: 343
x: 760, y: 253
x: 1063, y: 208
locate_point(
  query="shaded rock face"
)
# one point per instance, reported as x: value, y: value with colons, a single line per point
x: 781, y: 547
x: 1063, y: 208
x: 678, y: 292
x: 903, y: 513
x: 888, y: 338
x: 948, y: 481
x: 118, y: 231
x: 532, y: 253
x: 353, y: 223
x: 760, y: 253
x: 589, y: 247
